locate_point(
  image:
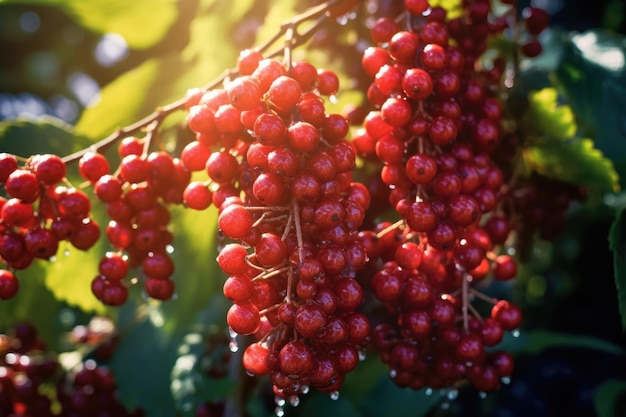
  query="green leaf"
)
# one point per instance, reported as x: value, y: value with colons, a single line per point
x: 609, y: 397
x: 46, y: 134
x: 34, y: 303
x: 165, y: 79
x: 592, y: 77
x: 142, y: 23
x: 197, y: 275
x: 145, y: 354
x: 552, y: 120
x: 575, y: 161
x: 534, y: 341
x: 320, y: 404
x: 190, y: 386
x: 388, y: 400
x: 617, y: 243
x: 555, y: 150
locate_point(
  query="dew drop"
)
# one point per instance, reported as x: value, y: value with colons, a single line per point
x: 169, y: 249
x: 53, y: 258
x: 333, y: 99
x: 482, y: 395
x: 305, y: 389
x: 343, y: 19
x: 428, y: 391
x: 445, y: 405
x: 393, y: 373
x: 233, y: 346
x: 515, y: 333
x: 361, y: 355
x: 66, y: 252
x: 294, y: 400
x: 280, y: 401
x: 506, y: 380
x: 452, y: 394
x: 334, y: 395
x: 250, y: 373
x: 279, y: 411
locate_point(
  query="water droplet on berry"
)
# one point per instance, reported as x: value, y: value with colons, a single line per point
x: 279, y: 412
x: 134, y: 280
x: 515, y: 333
x: 506, y: 380
x: 169, y: 249
x: 333, y: 99
x: 53, y: 258
x: 304, y: 389
x: 334, y: 395
x: 343, y: 19
x: 66, y: 252
x: 279, y: 401
x: 233, y: 346
x: 294, y: 400
x: 393, y: 373
x: 361, y: 355
x: 428, y: 392
x: 452, y: 394
x: 482, y: 395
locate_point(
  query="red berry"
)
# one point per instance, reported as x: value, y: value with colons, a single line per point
x: 49, y: 169
x: 235, y: 221
x: 9, y: 285
x: 416, y: 7
x: 8, y: 164
x: 92, y: 166
x: 243, y: 318
x: 22, y: 184
x: 159, y: 289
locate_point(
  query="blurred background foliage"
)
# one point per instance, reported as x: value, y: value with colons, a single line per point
x: 92, y: 66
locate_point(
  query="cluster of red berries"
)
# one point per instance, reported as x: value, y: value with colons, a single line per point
x: 435, y: 126
x: 282, y: 182
x: 136, y: 200
x: 39, y: 211
x: 33, y: 383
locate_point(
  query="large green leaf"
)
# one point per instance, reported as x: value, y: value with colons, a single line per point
x: 165, y: 79
x: 196, y: 275
x: 592, y: 76
x: 142, y: 23
x: 25, y: 137
x: 555, y: 151
x: 617, y: 242
x: 142, y: 364
x: 190, y: 384
x: 34, y: 303
x: 535, y: 341
x: 554, y: 121
x: 609, y: 398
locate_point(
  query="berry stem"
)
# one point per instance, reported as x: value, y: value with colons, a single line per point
x: 465, y: 300
x: 396, y: 225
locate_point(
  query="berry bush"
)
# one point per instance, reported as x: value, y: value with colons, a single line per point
x: 351, y: 207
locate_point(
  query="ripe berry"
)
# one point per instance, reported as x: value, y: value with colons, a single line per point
x: 416, y: 7
x: 243, y: 318
x: 197, y: 196
x: 49, y: 169
x: 8, y: 164
x: 296, y: 359
x: 284, y: 93
x: 22, y: 184
x: 92, y: 166
x: 159, y: 289
x: 235, y: 221
x: 9, y: 285
x: 327, y: 82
